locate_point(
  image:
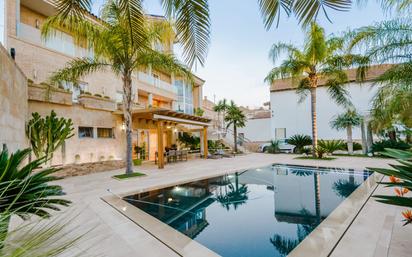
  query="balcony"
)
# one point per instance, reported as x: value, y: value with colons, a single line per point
x: 46, y: 93
x: 61, y: 42
x: 166, y: 89
x: 97, y: 103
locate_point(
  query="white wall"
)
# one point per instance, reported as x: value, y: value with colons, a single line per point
x: 296, y: 117
x: 257, y: 130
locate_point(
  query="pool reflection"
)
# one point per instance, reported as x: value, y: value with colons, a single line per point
x: 259, y: 212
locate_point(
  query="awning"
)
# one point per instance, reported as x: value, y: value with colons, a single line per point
x: 169, y: 115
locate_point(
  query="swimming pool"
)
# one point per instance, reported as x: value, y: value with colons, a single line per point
x: 266, y: 211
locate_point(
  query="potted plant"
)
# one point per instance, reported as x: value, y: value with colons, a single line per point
x: 140, y: 153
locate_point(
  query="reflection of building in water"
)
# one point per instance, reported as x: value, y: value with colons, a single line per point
x: 182, y: 207
x: 301, y: 195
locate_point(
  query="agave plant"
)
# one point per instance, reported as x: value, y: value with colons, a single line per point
x: 330, y: 146
x: 25, y: 192
x: 299, y: 141
x: 400, y: 179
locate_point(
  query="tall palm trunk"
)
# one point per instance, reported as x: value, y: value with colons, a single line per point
x: 127, y: 113
x: 350, y: 141
x: 314, y: 119
x: 316, y: 183
x: 235, y: 136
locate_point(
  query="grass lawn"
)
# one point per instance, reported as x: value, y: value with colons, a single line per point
x: 127, y: 176
x: 315, y: 158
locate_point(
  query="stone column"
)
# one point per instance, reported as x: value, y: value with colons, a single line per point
x: 150, y: 100
x: 365, y: 148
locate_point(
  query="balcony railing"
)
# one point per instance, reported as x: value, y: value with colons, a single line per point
x: 61, y: 42
x: 149, y: 79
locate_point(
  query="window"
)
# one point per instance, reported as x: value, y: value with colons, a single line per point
x: 119, y: 96
x: 86, y: 132
x: 184, y: 97
x: 105, y: 133
x: 280, y: 133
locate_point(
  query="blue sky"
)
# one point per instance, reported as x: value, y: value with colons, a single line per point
x: 238, y: 56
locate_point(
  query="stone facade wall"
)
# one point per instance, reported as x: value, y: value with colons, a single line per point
x: 89, y: 168
x: 84, y: 150
x: 13, y: 103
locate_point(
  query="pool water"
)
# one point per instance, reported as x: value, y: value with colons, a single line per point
x: 258, y: 212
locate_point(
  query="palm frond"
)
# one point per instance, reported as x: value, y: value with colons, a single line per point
x: 193, y: 27
x: 132, y: 11
x: 303, y: 89
x: 163, y: 62
x: 280, y: 48
x: 76, y: 8
x: 306, y: 11
x: 271, y: 10
x: 338, y: 92
x: 387, y: 41
x: 76, y: 69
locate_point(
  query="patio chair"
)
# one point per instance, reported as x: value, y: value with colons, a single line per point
x: 183, y: 155
x: 171, y: 156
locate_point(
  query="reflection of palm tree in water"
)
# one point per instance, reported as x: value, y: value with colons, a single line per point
x: 285, y: 245
x: 343, y: 187
x: 234, y: 194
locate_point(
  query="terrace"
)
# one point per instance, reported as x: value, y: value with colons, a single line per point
x: 370, y: 228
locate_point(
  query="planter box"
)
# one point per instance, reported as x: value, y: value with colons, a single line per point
x: 44, y: 93
x: 97, y: 103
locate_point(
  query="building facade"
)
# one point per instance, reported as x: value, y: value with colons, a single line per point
x: 94, y: 106
x: 289, y: 117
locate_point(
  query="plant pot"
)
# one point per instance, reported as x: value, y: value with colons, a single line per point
x: 137, y: 162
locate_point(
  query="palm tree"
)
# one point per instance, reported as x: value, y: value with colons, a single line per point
x: 389, y: 42
x: 347, y: 121
x: 221, y: 109
x: 236, y: 196
x: 320, y: 61
x: 234, y: 116
x: 122, y: 43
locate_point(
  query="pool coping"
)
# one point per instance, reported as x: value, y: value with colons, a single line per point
x: 320, y: 242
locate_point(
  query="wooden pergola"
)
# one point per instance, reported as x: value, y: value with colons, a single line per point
x: 164, y: 117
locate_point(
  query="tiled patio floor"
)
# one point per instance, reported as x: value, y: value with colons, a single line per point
x: 377, y: 230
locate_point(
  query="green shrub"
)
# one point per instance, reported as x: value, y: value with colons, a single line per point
x: 299, y: 141
x: 330, y: 146
x: 381, y: 145
x: 98, y: 95
x: 273, y: 147
x: 356, y: 146
x: 107, y: 97
x: 320, y: 152
x: 306, y: 150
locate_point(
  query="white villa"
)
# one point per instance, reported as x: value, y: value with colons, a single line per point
x: 289, y: 117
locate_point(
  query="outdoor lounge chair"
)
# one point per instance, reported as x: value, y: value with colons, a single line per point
x: 223, y: 154
x: 214, y: 156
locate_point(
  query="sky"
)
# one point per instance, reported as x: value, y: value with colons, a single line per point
x: 238, y: 62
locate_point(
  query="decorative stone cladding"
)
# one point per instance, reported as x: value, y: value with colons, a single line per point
x: 13, y: 103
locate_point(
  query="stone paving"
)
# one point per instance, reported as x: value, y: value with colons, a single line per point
x: 376, y: 231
